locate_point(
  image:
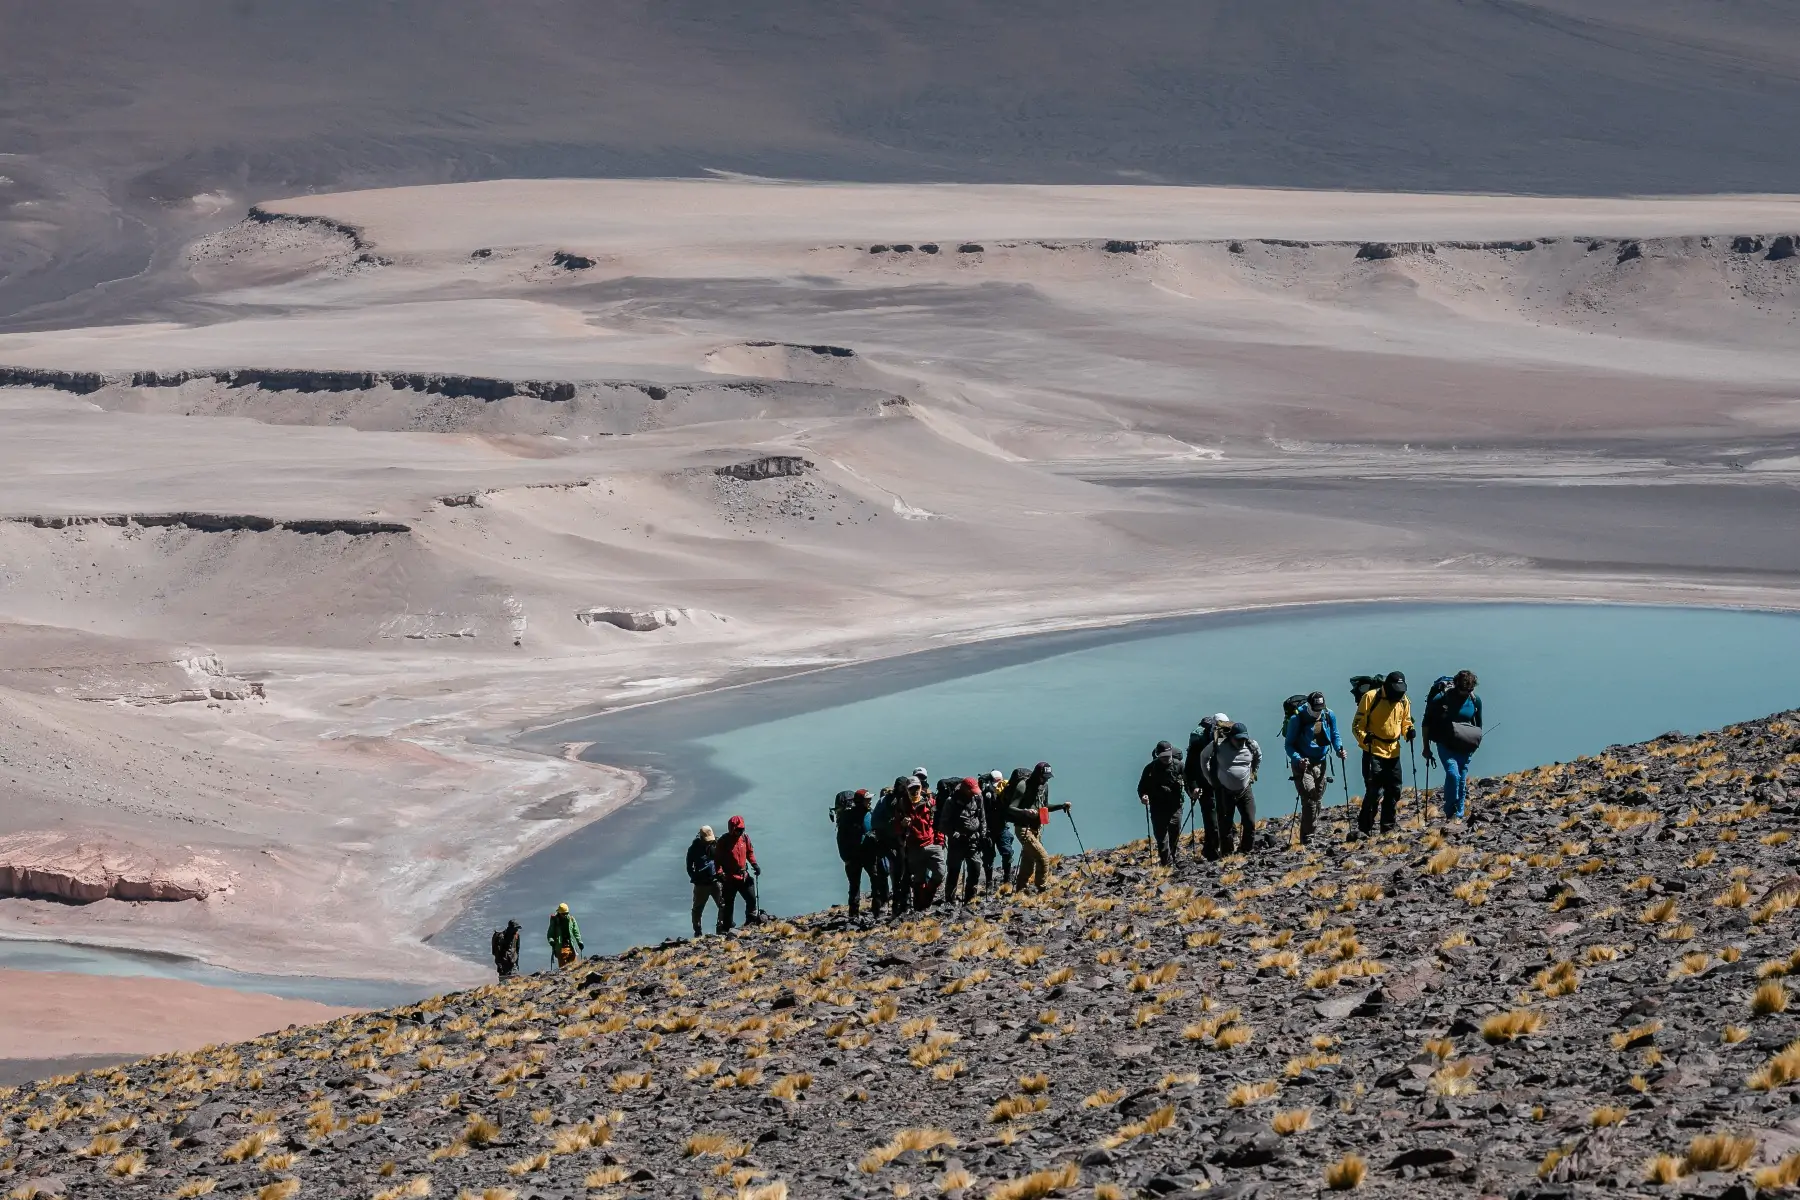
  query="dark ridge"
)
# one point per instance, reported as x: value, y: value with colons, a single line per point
x: 969, y: 248
x: 1117, y: 247
x: 1783, y: 247
x: 1496, y: 245
x: 929, y: 248
x: 296, y: 380
x: 571, y: 262
x: 1629, y: 251
x: 879, y: 249
x: 822, y: 351
x: 263, y: 216
x: 217, y: 523
x: 1746, y: 245
x: 769, y: 467
x: 902, y: 248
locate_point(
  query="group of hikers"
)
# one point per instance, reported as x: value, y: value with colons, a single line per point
x: 916, y: 837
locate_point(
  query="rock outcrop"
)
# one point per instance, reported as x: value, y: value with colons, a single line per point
x: 643, y: 620
x: 218, y: 523
x: 771, y: 466
x: 57, y: 866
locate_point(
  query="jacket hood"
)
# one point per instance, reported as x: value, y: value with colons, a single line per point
x: 735, y: 825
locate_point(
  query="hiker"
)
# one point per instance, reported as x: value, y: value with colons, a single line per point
x: 506, y: 950
x: 738, y: 869
x: 963, y: 821
x: 1231, y: 767
x: 923, y: 843
x: 564, y: 937
x: 1383, y: 719
x: 890, y: 826
x: 1029, y: 812
x: 1312, y: 733
x: 1161, y: 792
x: 703, y: 873
x: 1199, y: 787
x: 1453, y: 724
x: 860, y: 850
x: 995, y: 795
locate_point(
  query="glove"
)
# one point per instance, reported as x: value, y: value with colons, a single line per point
x: 1342, y: 757
x: 1429, y: 761
x: 1409, y: 734
x: 757, y: 867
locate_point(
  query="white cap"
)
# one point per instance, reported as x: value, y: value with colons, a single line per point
x: 1222, y: 719
x: 995, y: 776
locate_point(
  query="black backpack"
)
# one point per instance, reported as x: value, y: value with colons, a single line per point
x: 1289, y: 707
x: 1361, y: 685
x: 843, y: 805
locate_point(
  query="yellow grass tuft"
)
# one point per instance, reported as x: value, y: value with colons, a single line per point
x: 1731, y: 1035
x: 1735, y: 896
x: 1156, y: 1122
x: 1013, y: 1107
x: 1440, y: 1048
x: 1504, y: 1027
x: 529, y: 1166
x: 1607, y: 1114
x: 127, y: 1165
x: 1059, y: 976
x: 1783, y: 1068
x: 1779, y: 1177
x: 281, y: 1189
x: 954, y: 1179
x: 1346, y: 1173
x: 1659, y: 913
x: 1037, y: 1184
x: 194, y: 1188
x: 1719, y: 1152
x: 1770, y: 997
x: 1246, y: 1094
x: 607, y: 1176
x: 1559, y: 980
x: 1233, y: 1035
x: 1664, y: 1169
x: 1103, y: 1098
x: 1453, y: 1079
x: 713, y: 1145
x: 253, y: 1145
x: 1108, y: 1191
x: 412, y: 1189
x: 789, y: 1087
x: 1033, y: 1084
x: 906, y: 1139
x: 1290, y: 1121
x: 1637, y: 1035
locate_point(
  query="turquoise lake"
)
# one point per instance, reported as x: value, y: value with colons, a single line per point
x: 1558, y: 681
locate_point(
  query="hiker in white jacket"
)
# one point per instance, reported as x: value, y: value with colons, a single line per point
x: 1231, y: 766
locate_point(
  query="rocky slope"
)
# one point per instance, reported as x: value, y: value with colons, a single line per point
x: 1585, y: 990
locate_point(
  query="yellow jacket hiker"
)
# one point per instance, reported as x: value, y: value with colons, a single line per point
x: 1381, y: 723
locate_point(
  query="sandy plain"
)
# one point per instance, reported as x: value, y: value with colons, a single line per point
x: 287, y: 563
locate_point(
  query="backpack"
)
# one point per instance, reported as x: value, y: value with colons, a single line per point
x: 1440, y: 687
x: 1289, y: 707
x: 844, y: 805
x: 884, y: 816
x: 1361, y: 685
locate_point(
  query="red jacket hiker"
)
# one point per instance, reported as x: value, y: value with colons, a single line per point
x: 734, y: 855
x: 919, y: 827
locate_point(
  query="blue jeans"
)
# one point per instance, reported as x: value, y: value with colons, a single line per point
x: 1456, y: 780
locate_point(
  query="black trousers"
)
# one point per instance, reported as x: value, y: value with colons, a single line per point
x: 1381, y: 786
x: 1209, y: 824
x: 898, y: 878
x: 1241, y: 805
x: 963, y: 854
x: 1000, y: 844
x: 876, y: 868
x: 729, y: 890
x: 1165, y: 830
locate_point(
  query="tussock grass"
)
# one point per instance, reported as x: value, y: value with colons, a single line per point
x: 193, y: 1189
x: 1637, y: 1035
x: 281, y: 1189
x: 1779, y: 1176
x: 713, y: 1145
x: 1781, y: 1069
x: 1769, y: 998
x: 606, y: 1176
x: 1011, y: 1108
x: 1664, y: 1169
x: 127, y: 1165
x: 1731, y: 1035
x: 915, y: 1139
x: 1103, y: 1098
x: 1453, y: 1079
x: 1246, y: 1094
x: 954, y: 1179
x: 1559, y: 980
x: 1033, y: 1084
x: 1163, y: 1118
x: 1037, y: 1184
x: 1660, y: 913
x: 789, y: 1087
x: 529, y: 1166
x: 1719, y: 1152
x: 252, y: 1145
x: 1504, y: 1027
x: 1290, y: 1121
x: 1607, y: 1114
x: 1440, y: 1048
x: 1736, y: 896
x: 1347, y: 1173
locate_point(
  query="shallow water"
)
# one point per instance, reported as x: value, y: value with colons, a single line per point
x: 24, y: 955
x: 1557, y: 681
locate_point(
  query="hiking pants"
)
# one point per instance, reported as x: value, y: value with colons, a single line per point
x: 1456, y: 780
x: 897, y: 879
x: 1209, y: 824
x: 1034, y: 862
x: 926, y: 866
x: 1309, y: 782
x: 1241, y: 805
x: 1381, y: 786
x: 876, y: 868
x: 963, y: 855
x: 1165, y: 824
x: 708, y: 890
x: 998, y: 844
x: 729, y: 890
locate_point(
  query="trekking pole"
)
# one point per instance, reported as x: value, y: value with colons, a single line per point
x: 1412, y: 749
x: 1070, y: 813
x: 1149, y: 835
